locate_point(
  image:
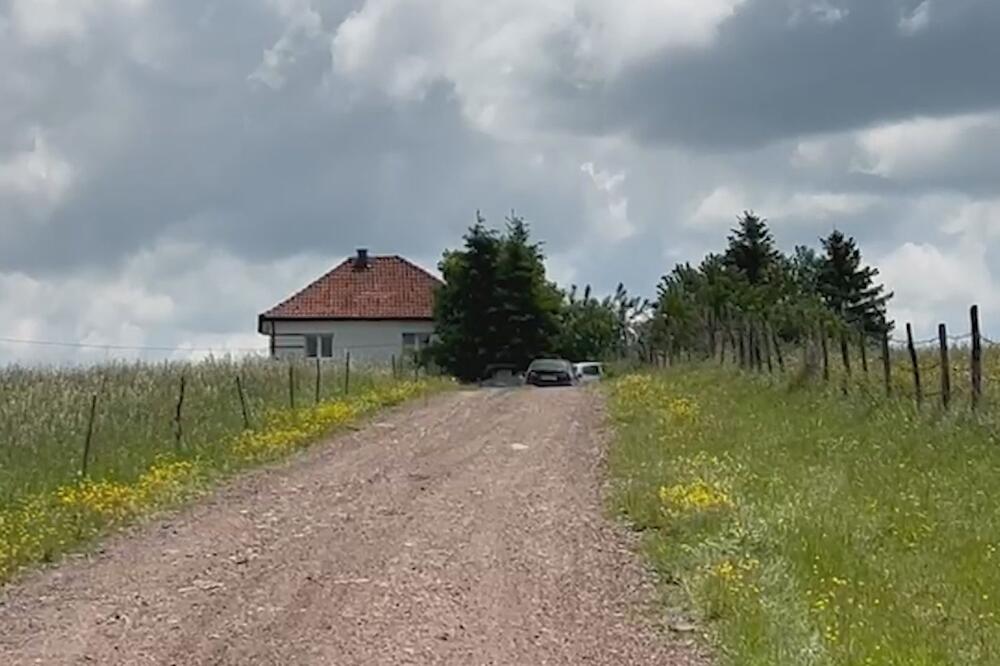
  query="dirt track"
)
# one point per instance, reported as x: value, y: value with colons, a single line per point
x: 466, y: 531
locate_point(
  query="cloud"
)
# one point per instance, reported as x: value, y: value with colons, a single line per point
x: 914, y: 22
x: 164, y: 176
x: 38, y: 173
x: 717, y: 208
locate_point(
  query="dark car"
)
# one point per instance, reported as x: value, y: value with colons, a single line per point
x: 550, y: 372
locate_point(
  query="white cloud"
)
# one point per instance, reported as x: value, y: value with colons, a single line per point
x: 156, y: 299
x: 916, y: 146
x: 43, y: 21
x: 823, y: 11
x: 612, y: 221
x: 40, y: 173
x: 916, y: 21
x: 303, y: 25
x: 976, y: 220
x: 492, y: 53
x: 720, y: 207
x: 934, y: 284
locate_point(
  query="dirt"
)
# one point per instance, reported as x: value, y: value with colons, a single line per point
x: 470, y: 530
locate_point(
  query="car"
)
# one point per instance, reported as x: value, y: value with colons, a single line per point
x: 550, y: 372
x: 589, y: 371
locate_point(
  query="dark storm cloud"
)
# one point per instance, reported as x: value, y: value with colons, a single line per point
x: 771, y: 75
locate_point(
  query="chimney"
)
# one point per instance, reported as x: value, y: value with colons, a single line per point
x: 361, y: 261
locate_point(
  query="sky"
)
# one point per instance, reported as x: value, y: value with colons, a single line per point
x: 170, y: 169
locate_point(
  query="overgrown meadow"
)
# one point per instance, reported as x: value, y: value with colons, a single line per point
x: 136, y: 460
x: 806, y: 527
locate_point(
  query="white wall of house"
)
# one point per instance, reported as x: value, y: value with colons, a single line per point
x: 367, y: 340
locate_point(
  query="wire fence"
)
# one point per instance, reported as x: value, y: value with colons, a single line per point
x: 946, y: 369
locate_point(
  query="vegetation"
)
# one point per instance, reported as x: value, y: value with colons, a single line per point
x: 137, y: 459
x: 808, y: 528
x: 497, y: 306
x: 751, y: 281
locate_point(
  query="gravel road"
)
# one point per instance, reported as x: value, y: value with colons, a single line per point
x: 469, y: 530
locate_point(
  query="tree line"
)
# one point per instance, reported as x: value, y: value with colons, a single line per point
x: 751, y: 282
x: 498, y: 306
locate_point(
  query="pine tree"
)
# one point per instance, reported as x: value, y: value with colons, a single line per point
x: 751, y: 249
x: 528, y: 304
x: 848, y: 287
x: 465, y: 307
x: 496, y: 305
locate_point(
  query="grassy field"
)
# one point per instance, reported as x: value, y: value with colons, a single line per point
x: 805, y: 527
x: 136, y: 462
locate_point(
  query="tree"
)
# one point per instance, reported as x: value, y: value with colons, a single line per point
x: 848, y: 287
x: 528, y: 303
x: 751, y: 249
x: 588, y: 328
x: 465, y: 307
x: 496, y: 305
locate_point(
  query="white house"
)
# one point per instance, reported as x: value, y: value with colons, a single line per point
x: 374, y: 307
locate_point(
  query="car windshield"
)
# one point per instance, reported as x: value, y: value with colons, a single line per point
x: 548, y: 365
x: 591, y: 370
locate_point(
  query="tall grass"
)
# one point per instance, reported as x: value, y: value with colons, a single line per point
x: 809, y: 528
x: 135, y: 460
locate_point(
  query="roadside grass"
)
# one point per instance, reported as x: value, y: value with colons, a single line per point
x: 804, y: 527
x: 47, y: 507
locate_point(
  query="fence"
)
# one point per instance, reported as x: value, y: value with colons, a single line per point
x: 106, y: 421
x: 945, y: 369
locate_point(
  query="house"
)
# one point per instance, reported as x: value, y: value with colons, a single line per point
x: 374, y: 307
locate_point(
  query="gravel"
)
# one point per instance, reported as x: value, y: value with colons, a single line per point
x: 469, y: 530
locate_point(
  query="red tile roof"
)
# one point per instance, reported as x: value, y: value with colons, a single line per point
x: 389, y: 288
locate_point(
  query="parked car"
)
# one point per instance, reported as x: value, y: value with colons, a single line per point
x: 589, y: 371
x: 550, y: 372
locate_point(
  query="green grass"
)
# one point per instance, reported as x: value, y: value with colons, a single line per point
x: 135, y: 462
x: 804, y: 527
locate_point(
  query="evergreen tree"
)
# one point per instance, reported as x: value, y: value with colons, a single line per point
x: 496, y: 305
x: 848, y: 287
x: 465, y: 309
x: 751, y: 250
x: 528, y: 303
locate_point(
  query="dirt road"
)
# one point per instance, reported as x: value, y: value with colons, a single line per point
x: 466, y: 531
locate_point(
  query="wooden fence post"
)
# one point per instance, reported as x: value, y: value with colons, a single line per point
x: 777, y: 348
x: 90, y: 435
x: 347, y: 373
x: 178, y: 429
x: 845, y: 360
x: 863, y: 350
x: 318, y: 379
x: 977, y: 359
x: 757, y: 352
x: 291, y: 384
x: 243, y: 403
x: 845, y: 354
x: 945, y: 367
x: 824, y: 348
x: 741, y: 334
x: 393, y: 366
x: 765, y: 333
x: 915, y: 362
x: 887, y: 364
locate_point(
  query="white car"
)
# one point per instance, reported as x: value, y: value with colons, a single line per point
x: 589, y: 371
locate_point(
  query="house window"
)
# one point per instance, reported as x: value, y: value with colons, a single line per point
x: 319, y: 346
x: 414, y: 342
